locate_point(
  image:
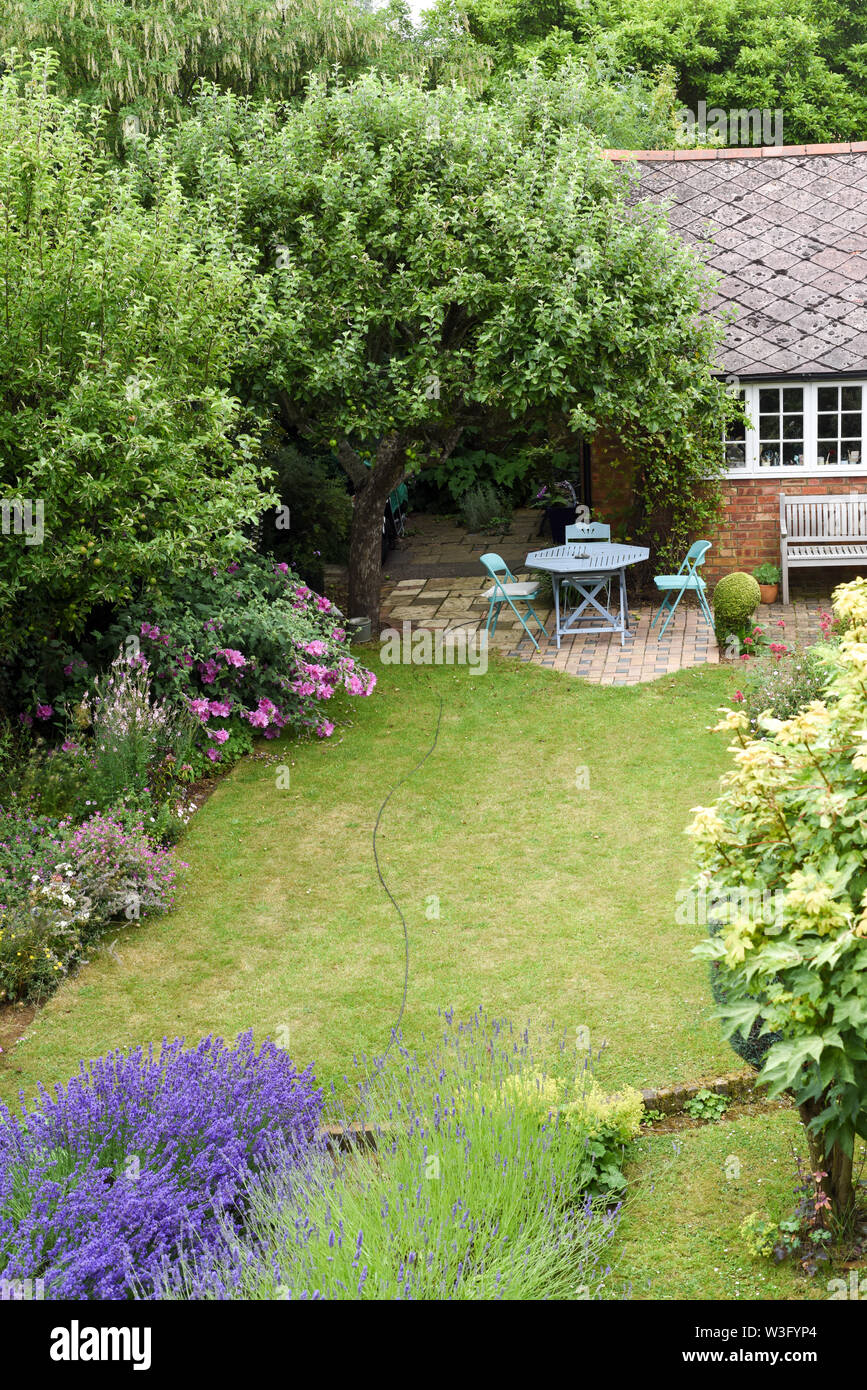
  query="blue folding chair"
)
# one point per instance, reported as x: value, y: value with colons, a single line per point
x: 510, y: 591
x: 687, y: 580
x: 592, y: 531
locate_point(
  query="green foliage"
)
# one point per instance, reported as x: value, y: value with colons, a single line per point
x: 767, y: 574
x: 316, y: 529
x: 789, y: 822
x: 469, y: 468
x: 488, y: 249
x: 804, y: 57
x: 735, y: 599
x: 124, y: 307
x: 781, y: 686
x: 707, y: 1105
x: 803, y: 1236
x: 483, y: 508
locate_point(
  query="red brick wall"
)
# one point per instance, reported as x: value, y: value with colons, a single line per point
x: 749, y: 533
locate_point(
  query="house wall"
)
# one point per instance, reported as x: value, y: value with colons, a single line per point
x: 749, y: 533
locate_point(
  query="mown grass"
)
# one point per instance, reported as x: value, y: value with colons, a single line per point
x: 555, y: 902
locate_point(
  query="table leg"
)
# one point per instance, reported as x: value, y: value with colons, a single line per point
x: 556, y: 587
x: 624, y: 616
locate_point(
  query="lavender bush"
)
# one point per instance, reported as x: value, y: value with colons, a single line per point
x: 477, y: 1189
x: 141, y: 1164
x: 61, y: 884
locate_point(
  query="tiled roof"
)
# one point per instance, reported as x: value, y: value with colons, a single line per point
x: 786, y: 229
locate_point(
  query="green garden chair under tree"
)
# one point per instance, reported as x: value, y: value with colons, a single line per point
x: 687, y: 580
x: 510, y: 591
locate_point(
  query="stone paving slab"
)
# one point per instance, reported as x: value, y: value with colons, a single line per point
x: 688, y: 642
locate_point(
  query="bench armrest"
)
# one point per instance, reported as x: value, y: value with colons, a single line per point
x: 783, y: 532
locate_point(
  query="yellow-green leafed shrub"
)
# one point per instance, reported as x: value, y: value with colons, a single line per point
x: 604, y: 1126
x: 789, y: 829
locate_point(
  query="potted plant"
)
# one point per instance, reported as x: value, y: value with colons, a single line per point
x: 768, y: 579
x: 559, y: 503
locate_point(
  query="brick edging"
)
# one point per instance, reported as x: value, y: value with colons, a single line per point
x: 669, y: 1100
x: 672, y: 1100
x: 740, y: 152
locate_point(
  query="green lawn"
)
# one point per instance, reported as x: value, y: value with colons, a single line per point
x: 556, y: 902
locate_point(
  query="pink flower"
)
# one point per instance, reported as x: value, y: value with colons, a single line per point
x: 282, y: 568
x: 67, y: 670
x: 221, y: 708
x: 780, y: 623
x: 209, y: 670
x: 214, y: 754
x: 233, y: 657
x: 316, y: 648
x: 338, y: 634
x: 738, y: 696
x: 44, y: 711
x: 258, y: 718
x: 218, y: 735
x: 230, y: 569
x: 201, y: 708
x: 68, y: 746
x: 325, y: 729
x: 323, y: 604
x: 26, y: 720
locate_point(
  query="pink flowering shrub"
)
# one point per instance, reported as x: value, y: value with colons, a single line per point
x: 247, y: 651
x: 61, y: 885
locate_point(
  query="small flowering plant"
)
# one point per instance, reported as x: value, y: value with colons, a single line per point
x: 248, y: 650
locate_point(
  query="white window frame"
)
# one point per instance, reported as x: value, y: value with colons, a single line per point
x: 809, y: 468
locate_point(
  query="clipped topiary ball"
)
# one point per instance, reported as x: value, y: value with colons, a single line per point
x: 735, y: 600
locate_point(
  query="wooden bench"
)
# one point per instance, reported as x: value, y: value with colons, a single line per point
x: 821, y: 530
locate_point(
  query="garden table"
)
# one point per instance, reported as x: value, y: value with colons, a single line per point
x: 588, y: 566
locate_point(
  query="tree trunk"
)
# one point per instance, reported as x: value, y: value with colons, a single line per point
x: 836, y: 1165
x: 365, y: 540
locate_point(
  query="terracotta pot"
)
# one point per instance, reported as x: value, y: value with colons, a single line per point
x: 769, y: 592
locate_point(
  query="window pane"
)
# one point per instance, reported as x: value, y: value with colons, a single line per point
x: 769, y: 453
x: 827, y: 397
x: 769, y: 426
x: 769, y: 398
x: 793, y: 427
x: 824, y: 448
x: 793, y: 398
x: 793, y: 453
x: 850, y: 450
x: 828, y: 425
x: 851, y: 425
x: 737, y: 430
x: 736, y: 456
x: 850, y: 398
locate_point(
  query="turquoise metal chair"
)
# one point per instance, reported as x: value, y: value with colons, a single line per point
x: 587, y: 531
x: 508, y: 590
x: 687, y: 580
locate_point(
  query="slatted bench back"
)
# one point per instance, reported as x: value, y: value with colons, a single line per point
x: 829, y: 519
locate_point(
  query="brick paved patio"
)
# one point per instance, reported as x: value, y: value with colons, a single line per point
x: 435, y: 582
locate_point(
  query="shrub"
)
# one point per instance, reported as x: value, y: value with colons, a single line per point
x: 139, y: 1161
x: 484, y: 508
x: 781, y: 685
x: 788, y: 821
x: 135, y: 740
x: 735, y: 599
x: 474, y: 1192
x: 61, y: 885
x: 246, y: 645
